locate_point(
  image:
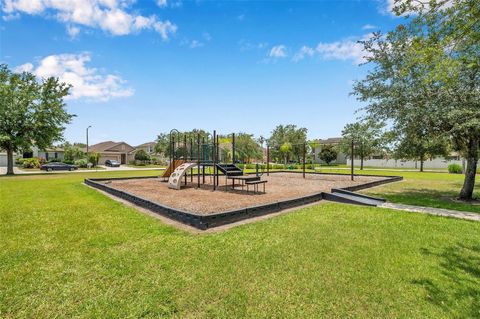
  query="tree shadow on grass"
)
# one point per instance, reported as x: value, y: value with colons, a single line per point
x: 457, y: 289
x: 431, y: 198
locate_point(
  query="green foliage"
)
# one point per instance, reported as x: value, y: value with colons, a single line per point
x: 31, y: 111
x: 247, y: 148
x: 163, y: 141
x: 368, y: 137
x: 455, y: 169
x: 425, y: 80
x: 93, y: 158
x: 33, y: 162
x: 19, y: 160
x: 72, y: 152
x: 82, y: 163
x: 328, y: 154
x: 142, y: 156
x: 287, y: 142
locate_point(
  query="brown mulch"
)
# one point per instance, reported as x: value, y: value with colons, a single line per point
x: 280, y: 187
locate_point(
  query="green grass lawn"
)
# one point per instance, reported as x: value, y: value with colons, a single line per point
x: 430, y: 189
x: 68, y: 251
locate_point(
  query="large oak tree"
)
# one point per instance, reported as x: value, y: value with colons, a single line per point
x: 429, y: 68
x: 32, y: 112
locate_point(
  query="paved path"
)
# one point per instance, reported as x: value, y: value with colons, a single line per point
x: 433, y: 211
x: 3, y: 170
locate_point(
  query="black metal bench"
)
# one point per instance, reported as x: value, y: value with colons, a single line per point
x: 255, y: 185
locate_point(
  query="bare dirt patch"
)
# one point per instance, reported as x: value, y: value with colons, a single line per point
x: 203, y: 201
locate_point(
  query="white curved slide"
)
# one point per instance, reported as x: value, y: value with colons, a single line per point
x: 175, y: 180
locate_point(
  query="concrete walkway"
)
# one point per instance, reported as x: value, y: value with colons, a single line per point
x: 433, y: 211
x: 17, y: 171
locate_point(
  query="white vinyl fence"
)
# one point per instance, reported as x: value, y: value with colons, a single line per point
x: 391, y: 163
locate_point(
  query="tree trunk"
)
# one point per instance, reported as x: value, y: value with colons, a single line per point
x: 9, y: 162
x: 421, y: 164
x: 361, y: 156
x: 469, y: 182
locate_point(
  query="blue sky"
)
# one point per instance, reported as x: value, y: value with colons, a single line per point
x: 144, y: 67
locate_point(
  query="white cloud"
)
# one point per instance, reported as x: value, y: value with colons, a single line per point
x: 162, y: 3
x: 347, y: 49
x: 206, y: 36
x: 195, y: 44
x: 369, y: 27
x: 247, y: 45
x: 303, y: 52
x: 73, y: 31
x: 111, y: 16
x: 164, y: 28
x: 86, y: 82
x: 278, y: 51
x: 27, y: 67
x: 169, y: 3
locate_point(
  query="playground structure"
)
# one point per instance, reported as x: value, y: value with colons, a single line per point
x: 199, y: 157
x: 211, y: 161
x: 200, y: 162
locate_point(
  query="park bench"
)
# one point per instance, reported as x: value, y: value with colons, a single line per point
x: 255, y: 184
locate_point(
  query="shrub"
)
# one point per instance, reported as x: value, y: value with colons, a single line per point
x: 328, y: 154
x: 19, y: 160
x: 455, y: 169
x: 83, y: 163
x: 93, y: 158
x: 141, y: 155
x: 72, y: 153
x: 33, y: 162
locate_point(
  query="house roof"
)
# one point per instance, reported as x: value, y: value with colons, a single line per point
x: 105, y: 146
x: 146, y: 144
x: 54, y: 149
x: 330, y: 140
x: 101, y: 147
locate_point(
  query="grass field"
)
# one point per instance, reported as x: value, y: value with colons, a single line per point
x: 68, y: 251
x: 430, y: 189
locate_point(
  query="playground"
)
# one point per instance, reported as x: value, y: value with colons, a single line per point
x: 282, y: 186
x: 204, y: 186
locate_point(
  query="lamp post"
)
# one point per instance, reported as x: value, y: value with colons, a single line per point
x: 87, y: 137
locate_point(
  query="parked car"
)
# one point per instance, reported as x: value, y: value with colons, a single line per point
x: 55, y: 166
x: 112, y: 163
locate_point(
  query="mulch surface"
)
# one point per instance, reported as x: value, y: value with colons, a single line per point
x: 203, y: 201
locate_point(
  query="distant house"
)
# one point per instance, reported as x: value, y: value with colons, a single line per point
x: 341, y: 158
x: 4, y: 158
x: 148, y: 147
x: 118, y: 151
x: 49, y: 154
